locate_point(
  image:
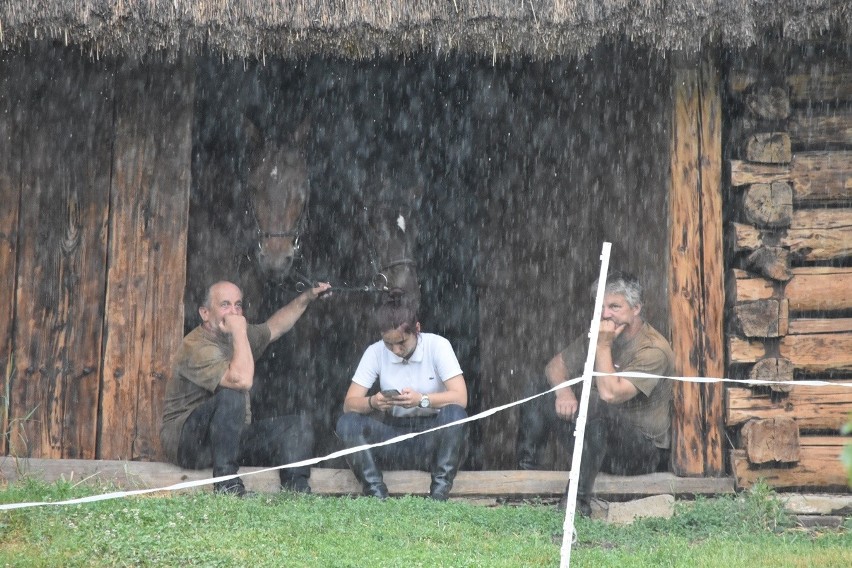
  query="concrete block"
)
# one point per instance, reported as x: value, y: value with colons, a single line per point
x: 661, y: 506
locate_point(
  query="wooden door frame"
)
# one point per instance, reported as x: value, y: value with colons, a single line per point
x: 696, y: 267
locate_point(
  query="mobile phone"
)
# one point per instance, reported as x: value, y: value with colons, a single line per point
x: 390, y: 393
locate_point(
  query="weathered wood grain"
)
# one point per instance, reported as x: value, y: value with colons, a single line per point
x: 147, y: 272
x: 11, y: 69
x: 768, y: 148
x: 810, y: 130
x: 768, y: 204
x: 813, y: 235
x: 773, y: 369
x: 812, y: 288
x: 762, y: 318
x: 820, y: 289
x: 768, y: 102
x: 771, y: 440
x: 770, y: 261
x: 830, y: 81
x: 150, y: 475
x: 819, y: 466
x: 802, y: 326
x: 61, y: 276
x: 713, y: 269
x: 817, y: 177
x: 697, y: 295
x: 813, y: 408
x: 815, y: 352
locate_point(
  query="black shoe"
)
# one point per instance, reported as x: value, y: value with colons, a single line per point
x: 233, y: 487
x: 297, y: 485
x: 378, y: 490
x: 440, y: 493
x: 583, y: 509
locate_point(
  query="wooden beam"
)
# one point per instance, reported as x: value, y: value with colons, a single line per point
x: 817, y: 177
x: 813, y: 130
x: 768, y: 103
x: 134, y: 475
x: 768, y: 148
x: 817, y: 352
x: 696, y: 289
x: 804, y: 326
x: 150, y: 205
x: 814, y: 408
x: 768, y: 440
x: 813, y: 288
x: 773, y: 369
x: 762, y: 318
x: 819, y: 466
x: 769, y: 204
x: 811, y: 235
x: 830, y: 82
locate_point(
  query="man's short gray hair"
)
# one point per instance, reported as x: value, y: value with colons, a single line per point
x: 624, y: 283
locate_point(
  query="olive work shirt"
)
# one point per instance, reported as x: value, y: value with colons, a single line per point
x: 197, y: 368
x: 646, y: 352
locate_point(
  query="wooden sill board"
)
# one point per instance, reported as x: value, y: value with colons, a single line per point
x: 150, y: 475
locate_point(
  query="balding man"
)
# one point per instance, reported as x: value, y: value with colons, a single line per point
x: 207, y: 410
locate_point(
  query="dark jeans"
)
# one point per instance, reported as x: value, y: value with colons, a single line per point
x: 216, y: 435
x: 537, y: 422
x: 417, y: 453
x: 613, y: 445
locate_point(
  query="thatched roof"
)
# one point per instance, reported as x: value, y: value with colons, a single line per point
x: 363, y: 28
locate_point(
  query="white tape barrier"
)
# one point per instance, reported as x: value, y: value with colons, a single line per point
x: 347, y: 451
x: 312, y: 461
x: 568, y: 531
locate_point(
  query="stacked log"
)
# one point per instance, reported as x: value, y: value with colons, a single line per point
x: 789, y: 285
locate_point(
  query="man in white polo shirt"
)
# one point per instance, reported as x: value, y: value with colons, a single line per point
x: 421, y: 386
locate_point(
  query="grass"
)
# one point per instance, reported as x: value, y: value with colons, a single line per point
x: 201, y: 529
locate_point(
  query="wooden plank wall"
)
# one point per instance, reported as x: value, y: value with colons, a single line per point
x: 62, y: 242
x: 790, y: 283
x: 10, y: 197
x: 87, y: 209
x: 696, y: 269
x: 146, y: 280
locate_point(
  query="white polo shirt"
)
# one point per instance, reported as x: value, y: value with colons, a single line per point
x: 432, y: 363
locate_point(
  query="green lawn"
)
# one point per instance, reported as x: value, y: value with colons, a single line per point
x: 202, y: 529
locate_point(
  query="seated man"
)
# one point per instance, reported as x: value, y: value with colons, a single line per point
x: 421, y: 387
x: 207, y: 409
x: 628, y: 428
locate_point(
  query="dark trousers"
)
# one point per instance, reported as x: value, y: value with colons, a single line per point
x: 420, y: 452
x: 610, y: 443
x: 216, y: 435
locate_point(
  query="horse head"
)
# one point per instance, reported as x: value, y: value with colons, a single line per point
x: 393, y: 238
x: 276, y: 184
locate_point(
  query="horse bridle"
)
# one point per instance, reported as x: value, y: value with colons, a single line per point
x: 380, y: 280
x: 295, y: 233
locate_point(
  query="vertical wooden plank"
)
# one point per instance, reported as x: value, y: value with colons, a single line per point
x: 147, y: 271
x: 686, y: 297
x: 696, y: 269
x: 713, y: 269
x: 10, y: 197
x: 66, y: 143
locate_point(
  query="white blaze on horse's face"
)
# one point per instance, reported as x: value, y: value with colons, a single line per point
x: 400, y: 222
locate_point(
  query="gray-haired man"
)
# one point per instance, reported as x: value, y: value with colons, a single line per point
x: 628, y: 427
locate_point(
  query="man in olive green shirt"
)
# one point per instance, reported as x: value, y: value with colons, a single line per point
x: 207, y: 410
x: 628, y: 427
